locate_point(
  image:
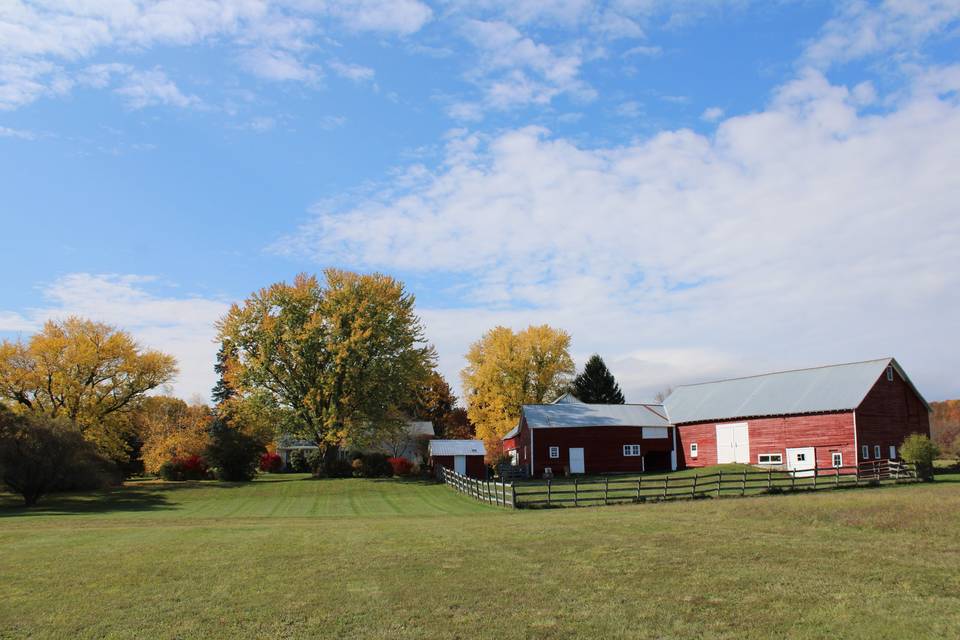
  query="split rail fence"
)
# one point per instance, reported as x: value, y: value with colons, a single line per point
x: 576, y: 492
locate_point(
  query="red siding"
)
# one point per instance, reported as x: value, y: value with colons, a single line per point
x: 602, y: 449
x: 476, y: 467
x: 891, y: 411
x: 828, y: 432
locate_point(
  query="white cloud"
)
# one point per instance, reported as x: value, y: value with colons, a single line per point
x: 808, y: 232
x: 630, y: 109
x: 865, y: 29
x: 354, y: 72
x: 712, y: 114
x: 276, y: 64
x: 22, y: 134
x: 41, y: 44
x: 143, y: 89
x: 182, y: 326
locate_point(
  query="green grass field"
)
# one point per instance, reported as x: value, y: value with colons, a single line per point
x: 290, y: 557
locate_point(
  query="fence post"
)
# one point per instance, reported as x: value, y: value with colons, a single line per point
x: 606, y: 489
x: 693, y: 491
x: 513, y: 495
x: 838, y: 476
x: 666, y: 483
x: 743, y: 484
x: 719, y: 483
x: 769, y: 478
x: 549, y: 483
x: 639, y: 480
x: 576, y: 495
x: 814, y: 477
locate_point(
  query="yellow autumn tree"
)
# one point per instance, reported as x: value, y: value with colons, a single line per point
x: 171, y: 428
x: 506, y: 369
x: 88, y: 372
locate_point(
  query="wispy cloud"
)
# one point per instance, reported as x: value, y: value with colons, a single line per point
x: 795, y: 212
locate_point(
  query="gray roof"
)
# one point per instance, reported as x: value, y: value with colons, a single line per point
x: 839, y: 387
x: 457, y: 448
x: 567, y: 398
x: 541, y: 416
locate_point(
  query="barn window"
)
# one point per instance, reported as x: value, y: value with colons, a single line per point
x: 554, y: 452
x: 865, y: 452
x: 837, y: 459
x: 889, y: 374
x: 876, y: 451
x: 771, y: 458
x: 893, y: 452
x: 631, y: 450
x: 693, y: 449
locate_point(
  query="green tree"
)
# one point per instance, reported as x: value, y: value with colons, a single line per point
x: 920, y: 451
x: 596, y: 385
x: 507, y: 369
x: 339, y: 355
x: 223, y: 390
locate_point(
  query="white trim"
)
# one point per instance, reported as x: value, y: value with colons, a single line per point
x: 890, y: 373
x: 554, y: 452
x: 770, y: 457
x: 877, y: 452
x: 893, y: 452
x: 631, y: 450
x: 865, y: 451
x: 693, y: 450
x: 833, y: 459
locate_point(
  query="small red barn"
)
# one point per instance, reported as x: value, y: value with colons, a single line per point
x: 840, y: 415
x: 571, y: 437
x: 463, y: 456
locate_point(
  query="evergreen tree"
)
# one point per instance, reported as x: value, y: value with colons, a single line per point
x: 596, y: 385
x: 223, y: 391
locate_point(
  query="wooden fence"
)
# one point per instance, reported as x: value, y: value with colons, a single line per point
x: 497, y: 493
x: 613, y: 490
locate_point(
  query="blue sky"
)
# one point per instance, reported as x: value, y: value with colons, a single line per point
x: 692, y: 189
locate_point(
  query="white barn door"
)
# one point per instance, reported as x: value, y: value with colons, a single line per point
x: 733, y: 443
x: 576, y: 461
x: 801, y: 461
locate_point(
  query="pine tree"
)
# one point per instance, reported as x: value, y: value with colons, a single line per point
x: 596, y: 385
x: 223, y: 391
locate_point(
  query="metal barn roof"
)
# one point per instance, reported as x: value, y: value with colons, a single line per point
x: 457, y: 448
x: 839, y: 387
x: 594, y: 415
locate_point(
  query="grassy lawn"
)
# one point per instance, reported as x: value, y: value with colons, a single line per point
x: 289, y: 557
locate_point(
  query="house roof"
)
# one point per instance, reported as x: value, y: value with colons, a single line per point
x: 840, y: 387
x: 457, y: 448
x: 579, y: 414
x: 414, y: 428
x: 567, y: 398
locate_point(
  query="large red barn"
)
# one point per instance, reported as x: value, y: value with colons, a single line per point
x: 571, y: 437
x: 840, y: 415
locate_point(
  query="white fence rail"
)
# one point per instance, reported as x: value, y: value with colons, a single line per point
x: 496, y: 493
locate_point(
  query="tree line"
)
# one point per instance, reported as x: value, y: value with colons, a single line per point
x: 341, y: 360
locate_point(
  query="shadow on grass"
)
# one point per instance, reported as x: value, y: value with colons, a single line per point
x: 119, y: 500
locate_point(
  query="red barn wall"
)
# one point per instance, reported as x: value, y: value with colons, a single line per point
x: 476, y: 467
x: 891, y: 411
x: 602, y: 449
x: 828, y: 432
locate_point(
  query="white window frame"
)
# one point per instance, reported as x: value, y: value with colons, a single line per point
x: 554, y: 453
x: 893, y: 452
x: 865, y: 451
x: 876, y: 452
x: 770, y: 458
x: 836, y: 459
x: 693, y: 450
x: 889, y: 374
x: 631, y: 450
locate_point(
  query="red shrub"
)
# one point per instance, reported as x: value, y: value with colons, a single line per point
x: 401, y: 466
x: 271, y: 462
x: 186, y: 468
